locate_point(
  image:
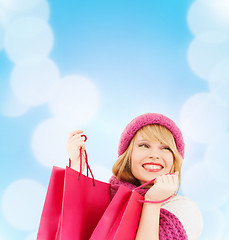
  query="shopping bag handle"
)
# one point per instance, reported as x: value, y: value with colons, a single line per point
x: 151, y: 181
x: 86, y: 161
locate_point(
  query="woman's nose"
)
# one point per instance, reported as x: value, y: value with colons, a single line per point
x: 154, y: 154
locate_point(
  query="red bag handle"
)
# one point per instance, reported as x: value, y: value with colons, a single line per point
x: 146, y: 201
x: 86, y: 161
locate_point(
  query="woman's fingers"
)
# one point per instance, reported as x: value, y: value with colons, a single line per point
x: 74, y: 133
x: 171, y: 180
x: 74, y: 143
x: 78, y: 142
x: 164, y: 178
x: 164, y: 186
x: 75, y: 139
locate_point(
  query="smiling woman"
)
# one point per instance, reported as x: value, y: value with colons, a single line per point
x: 151, y: 148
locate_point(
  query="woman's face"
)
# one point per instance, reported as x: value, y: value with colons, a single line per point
x: 150, y: 159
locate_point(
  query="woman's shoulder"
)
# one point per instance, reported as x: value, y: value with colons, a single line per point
x: 183, y: 206
x: 179, y: 200
x: 188, y: 213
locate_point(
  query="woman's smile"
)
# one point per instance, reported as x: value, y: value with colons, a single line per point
x: 152, y: 167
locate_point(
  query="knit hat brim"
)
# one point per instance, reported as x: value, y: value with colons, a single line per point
x: 148, y: 119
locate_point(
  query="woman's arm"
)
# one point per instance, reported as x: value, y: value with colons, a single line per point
x: 149, y: 223
x: 163, y: 187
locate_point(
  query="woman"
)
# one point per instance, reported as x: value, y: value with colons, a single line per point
x: 151, y: 147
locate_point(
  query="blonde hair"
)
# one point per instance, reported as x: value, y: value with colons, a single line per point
x: 122, y: 167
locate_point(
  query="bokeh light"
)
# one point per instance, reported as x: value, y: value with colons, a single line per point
x: 18, y: 5
x: 206, y: 50
x: 75, y: 102
x: 12, y: 107
x: 214, y: 227
x: 219, y: 80
x: 1, y: 37
x: 31, y: 236
x: 48, y: 143
x: 101, y: 173
x: 203, y: 186
x: 35, y: 80
x: 22, y: 203
x: 204, y: 118
x: 216, y: 158
x: 11, y: 10
x: 28, y: 36
x: 208, y: 15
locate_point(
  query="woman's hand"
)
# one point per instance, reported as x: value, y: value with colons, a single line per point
x: 74, y: 143
x: 164, y: 186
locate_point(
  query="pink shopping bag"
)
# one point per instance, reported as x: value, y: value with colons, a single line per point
x: 120, y: 220
x: 52, y: 207
x: 73, y: 206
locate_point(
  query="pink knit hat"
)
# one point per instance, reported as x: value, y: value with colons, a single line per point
x: 147, y: 119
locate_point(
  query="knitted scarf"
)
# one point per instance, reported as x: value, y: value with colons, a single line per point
x: 170, y: 226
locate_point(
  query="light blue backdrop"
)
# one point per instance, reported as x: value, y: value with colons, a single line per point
x: 96, y: 64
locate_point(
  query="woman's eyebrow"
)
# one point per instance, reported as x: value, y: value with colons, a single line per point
x: 142, y: 140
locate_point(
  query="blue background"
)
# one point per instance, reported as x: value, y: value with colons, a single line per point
x: 135, y: 52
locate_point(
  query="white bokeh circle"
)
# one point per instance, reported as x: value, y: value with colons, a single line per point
x: 208, y: 15
x: 18, y: 5
x: 203, y: 118
x: 193, y: 151
x: 214, y: 224
x: 4, y: 235
x: 221, y: 10
x: 22, y: 204
x: 207, y: 50
x: 1, y: 37
x: 35, y: 81
x: 76, y: 102
x: 225, y: 211
x: 12, y: 10
x: 32, y: 236
x: 48, y: 143
x: 202, y: 186
x: 219, y: 80
x: 28, y: 36
x: 40, y: 10
x: 12, y: 107
x: 216, y: 158
x: 3, y: 15
x: 101, y: 173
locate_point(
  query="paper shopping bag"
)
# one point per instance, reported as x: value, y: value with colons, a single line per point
x: 121, y: 218
x: 73, y: 206
x: 52, y: 207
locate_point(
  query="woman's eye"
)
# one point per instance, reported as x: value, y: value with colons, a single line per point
x: 166, y: 148
x: 143, y: 145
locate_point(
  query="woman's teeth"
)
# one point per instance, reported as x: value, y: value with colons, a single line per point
x: 151, y: 166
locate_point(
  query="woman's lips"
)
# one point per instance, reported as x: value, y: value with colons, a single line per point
x: 152, y: 167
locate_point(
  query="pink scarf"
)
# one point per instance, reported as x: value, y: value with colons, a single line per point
x: 170, y: 226
x: 116, y: 183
